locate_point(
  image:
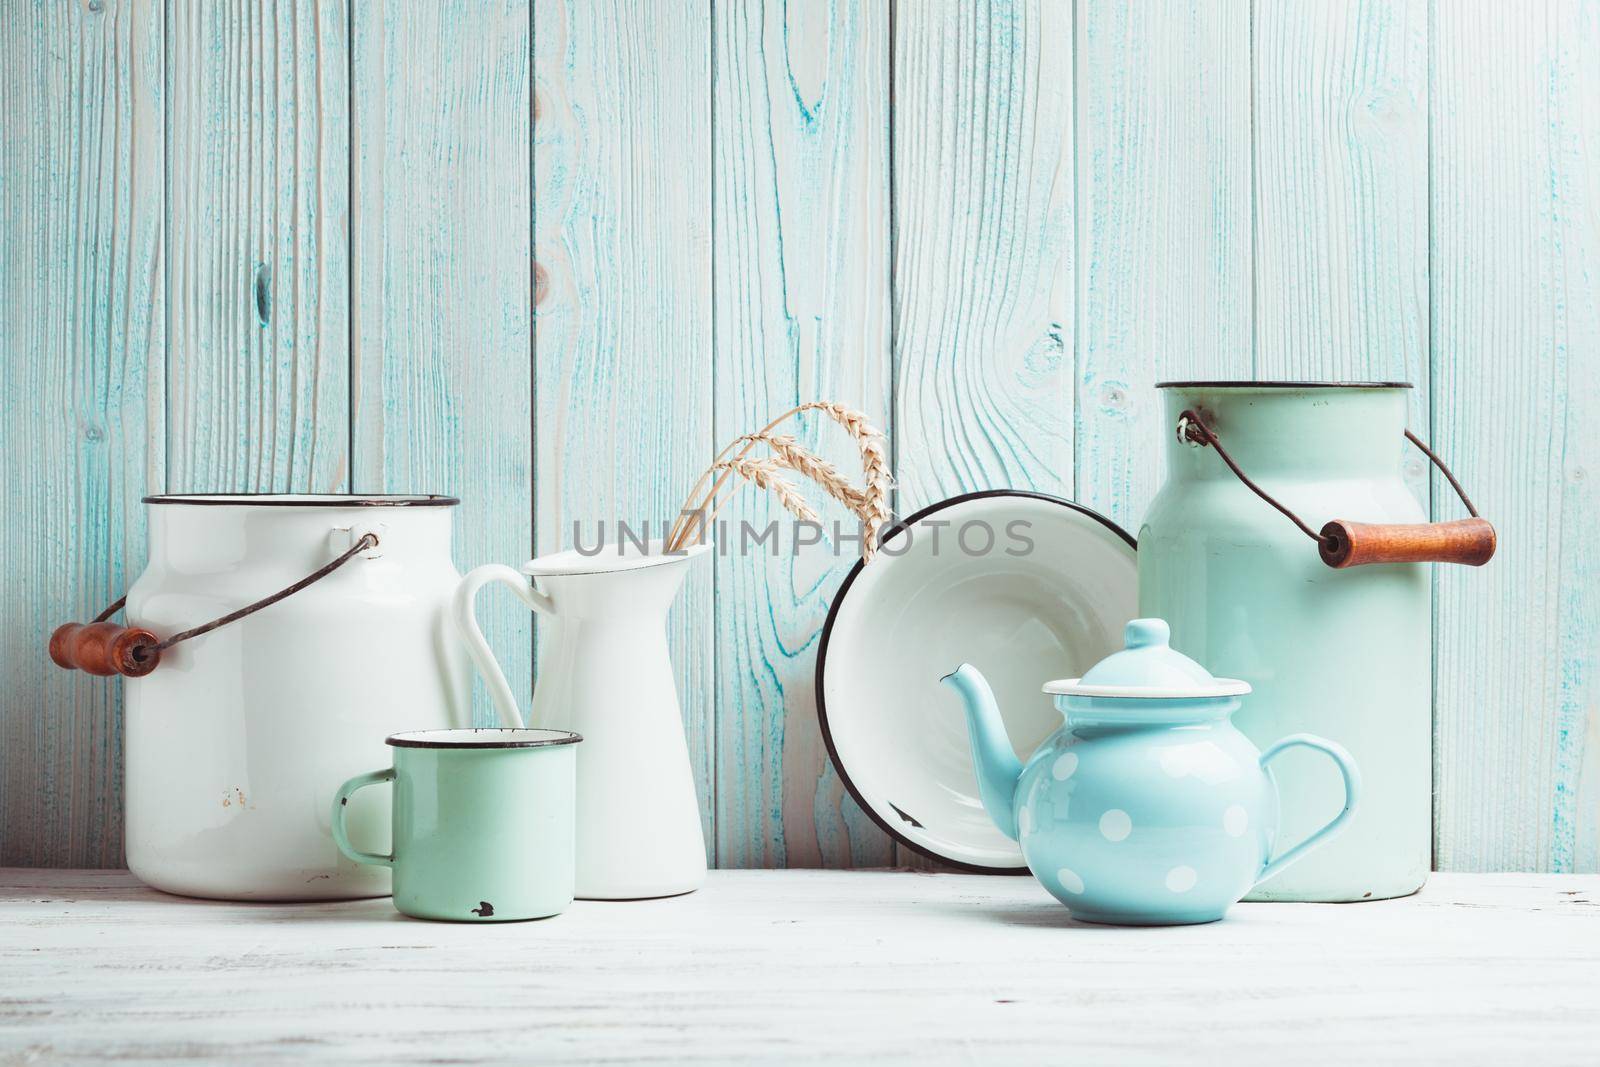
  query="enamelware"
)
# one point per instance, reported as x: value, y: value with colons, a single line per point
x: 604, y: 671
x: 235, y: 744
x: 1053, y: 585
x: 483, y: 826
x: 1146, y: 806
x: 1345, y: 651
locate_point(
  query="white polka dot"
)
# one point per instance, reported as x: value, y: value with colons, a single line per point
x: 1181, y: 879
x: 1069, y: 880
x: 1025, y: 821
x: 1115, y: 825
x: 1235, y: 820
x: 1066, y: 763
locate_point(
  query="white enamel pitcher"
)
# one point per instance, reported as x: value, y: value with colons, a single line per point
x: 605, y: 673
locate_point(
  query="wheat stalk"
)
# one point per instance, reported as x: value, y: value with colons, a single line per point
x: 789, y: 453
x: 874, y: 466
x: 763, y: 474
x: 870, y: 504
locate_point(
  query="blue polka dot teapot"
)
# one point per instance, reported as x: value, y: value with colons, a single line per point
x: 1147, y: 807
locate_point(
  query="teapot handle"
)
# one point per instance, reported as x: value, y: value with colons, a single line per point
x: 466, y: 596
x: 1352, y: 792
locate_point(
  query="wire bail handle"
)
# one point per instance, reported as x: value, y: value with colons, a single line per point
x: 104, y: 648
x: 1342, y: 543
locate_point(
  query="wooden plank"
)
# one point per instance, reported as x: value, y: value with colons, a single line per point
x: 622, y: 165
x: 81, y: 393
x: 983, y: 248
x: 983, y: 251
x: 442, y: 334
x: 1341, y: 121
x: 1515, y: 357
x: 801, y: 287
x: 1164, y: 224
x: 258, y: 264
x: 802, y: 966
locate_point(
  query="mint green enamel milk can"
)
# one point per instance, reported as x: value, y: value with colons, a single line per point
x: 1284, y: 549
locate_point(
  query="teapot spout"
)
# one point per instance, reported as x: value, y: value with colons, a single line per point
x: 992, y: 756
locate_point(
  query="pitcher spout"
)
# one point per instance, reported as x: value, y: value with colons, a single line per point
x: 993, y: 758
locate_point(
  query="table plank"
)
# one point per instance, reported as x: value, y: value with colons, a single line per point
x: 882, y: 965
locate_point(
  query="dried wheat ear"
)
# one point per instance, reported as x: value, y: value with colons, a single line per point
x: 869, y: 502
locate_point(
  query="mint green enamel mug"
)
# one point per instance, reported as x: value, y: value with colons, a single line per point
x: 483, y: 823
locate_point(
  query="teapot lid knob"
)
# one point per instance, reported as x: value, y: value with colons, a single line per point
x: 1148, y: 667
x: 1142, y: 633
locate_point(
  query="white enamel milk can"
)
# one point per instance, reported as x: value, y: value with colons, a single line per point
x: 1284, y: 549
x: 272, y: 643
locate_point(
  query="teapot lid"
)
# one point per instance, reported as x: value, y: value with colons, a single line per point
x: 1148, y: 668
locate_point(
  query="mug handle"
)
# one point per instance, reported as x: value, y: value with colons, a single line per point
x: 1352, y: 793
x: 466, y: 595
x: 340, y: 800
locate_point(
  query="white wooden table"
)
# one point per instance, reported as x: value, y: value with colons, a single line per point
x: 801, y: 965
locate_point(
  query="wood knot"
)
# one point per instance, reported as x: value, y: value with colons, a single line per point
x: 262, y: 288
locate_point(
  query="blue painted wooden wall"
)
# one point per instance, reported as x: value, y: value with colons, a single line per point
x: 547, y: 256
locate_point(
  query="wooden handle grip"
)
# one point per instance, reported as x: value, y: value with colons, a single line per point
x: 105, y: 648
x: 1351, y: 544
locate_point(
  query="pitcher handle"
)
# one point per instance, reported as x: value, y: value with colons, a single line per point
x: 1352, y: 792
x: 505, y: 701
